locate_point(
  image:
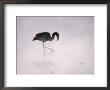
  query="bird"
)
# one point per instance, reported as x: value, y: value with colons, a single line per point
x: 46, y: 36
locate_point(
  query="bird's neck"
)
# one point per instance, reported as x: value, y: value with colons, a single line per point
x: 53, y: 35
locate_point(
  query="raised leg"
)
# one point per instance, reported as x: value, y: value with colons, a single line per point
x: 47, y: 48
x: 50, y: 49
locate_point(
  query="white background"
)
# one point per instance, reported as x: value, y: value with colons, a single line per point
x: 100, y: 35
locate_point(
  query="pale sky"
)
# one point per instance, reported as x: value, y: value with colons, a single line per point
x: 73, y: 52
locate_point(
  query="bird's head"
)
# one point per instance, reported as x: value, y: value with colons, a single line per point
x: 56, y: 34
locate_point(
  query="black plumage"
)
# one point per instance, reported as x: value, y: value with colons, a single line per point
x: 45, y: 36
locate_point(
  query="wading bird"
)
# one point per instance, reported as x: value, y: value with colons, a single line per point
x: 45, y: 36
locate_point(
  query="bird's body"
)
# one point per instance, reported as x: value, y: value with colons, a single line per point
x: 45, y: 36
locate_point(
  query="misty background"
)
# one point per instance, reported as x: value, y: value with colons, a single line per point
x: 73, y: 52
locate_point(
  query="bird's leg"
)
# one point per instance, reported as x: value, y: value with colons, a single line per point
x: 44, y: 48
x: 50, y: 49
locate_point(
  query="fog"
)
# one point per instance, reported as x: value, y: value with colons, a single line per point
x: 73, y: 52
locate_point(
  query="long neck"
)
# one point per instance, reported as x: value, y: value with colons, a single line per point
x: 53, y: 36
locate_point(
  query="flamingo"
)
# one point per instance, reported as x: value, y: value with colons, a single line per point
x: 45, y: 36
